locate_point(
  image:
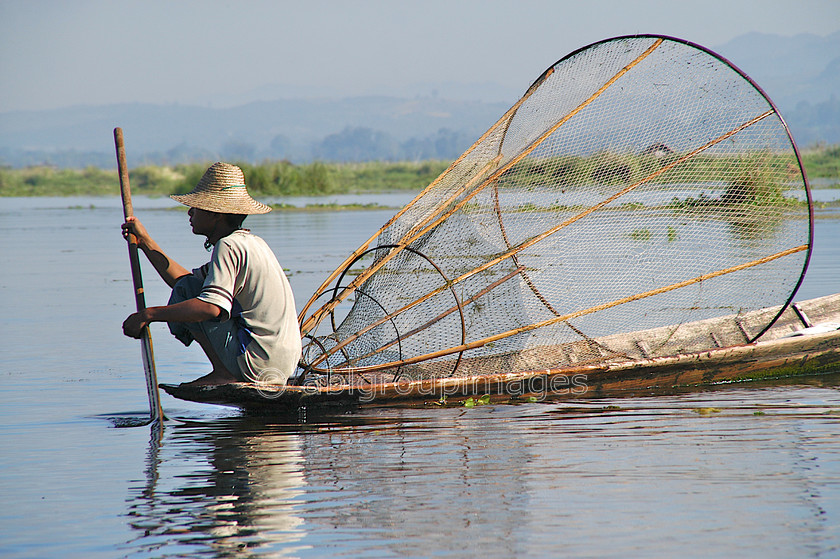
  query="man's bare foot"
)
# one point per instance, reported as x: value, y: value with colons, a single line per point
x: 213, y: 378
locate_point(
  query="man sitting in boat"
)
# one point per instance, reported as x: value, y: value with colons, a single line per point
x: 239, y: 306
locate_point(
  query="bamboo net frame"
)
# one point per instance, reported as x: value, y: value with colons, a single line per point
x: 398, y: 319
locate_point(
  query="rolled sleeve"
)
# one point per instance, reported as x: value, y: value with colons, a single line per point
x: 219, y: 297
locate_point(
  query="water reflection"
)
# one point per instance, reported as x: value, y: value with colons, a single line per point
x: 754, y: 466
x: 218, y: 489
x: 361, y: 482
x: 442, y: 483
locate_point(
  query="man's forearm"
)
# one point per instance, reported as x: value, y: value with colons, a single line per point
x: 169, y: 270
x: 191, y: 310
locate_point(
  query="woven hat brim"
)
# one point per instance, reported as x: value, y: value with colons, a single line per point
x: 243, y: 205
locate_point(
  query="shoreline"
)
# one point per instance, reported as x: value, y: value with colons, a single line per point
x: 316, y: 179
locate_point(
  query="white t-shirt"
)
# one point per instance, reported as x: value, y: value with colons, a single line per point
x: 244, y: 272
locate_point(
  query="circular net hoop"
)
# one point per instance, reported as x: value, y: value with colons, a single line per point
x: 641, y: 184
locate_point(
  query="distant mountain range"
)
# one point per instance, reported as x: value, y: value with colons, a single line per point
x: 801, y: 74
x: 294, y: 129
x: 791, y: 70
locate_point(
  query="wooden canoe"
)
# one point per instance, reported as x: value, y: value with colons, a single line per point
x: 803, y: 342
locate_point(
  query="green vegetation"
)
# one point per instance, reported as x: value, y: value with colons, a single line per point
x: 757, y: 182
x: 330, y: 207
x: 706, y: 411
x: 473, y: 402
x: 754, y: 178
x: 46, y: 181
x: 641, y: 235
x: 276, y: 178
x: 758, y: 177
x: 823, y: 162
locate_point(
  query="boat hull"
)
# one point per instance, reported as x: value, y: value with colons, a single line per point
x: 789, y: 350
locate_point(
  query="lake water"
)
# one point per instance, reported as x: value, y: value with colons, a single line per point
x: 742, y: 471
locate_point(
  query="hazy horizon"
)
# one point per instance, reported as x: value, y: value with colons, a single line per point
x: 92, y: 52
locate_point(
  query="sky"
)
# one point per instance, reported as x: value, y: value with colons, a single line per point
x: 55, y: 54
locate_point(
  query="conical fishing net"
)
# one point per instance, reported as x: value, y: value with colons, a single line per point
x: 641, y: 184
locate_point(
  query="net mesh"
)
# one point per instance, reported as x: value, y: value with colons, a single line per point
x: 641, y: 184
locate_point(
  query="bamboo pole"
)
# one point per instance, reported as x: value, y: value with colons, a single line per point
x: 155, y: 409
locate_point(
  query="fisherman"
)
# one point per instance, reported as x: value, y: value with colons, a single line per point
x: 239, y: 306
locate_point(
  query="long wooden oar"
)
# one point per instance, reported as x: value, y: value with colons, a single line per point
x: 155, y: 410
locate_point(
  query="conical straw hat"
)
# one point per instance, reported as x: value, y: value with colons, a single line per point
x: 222, y: 190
